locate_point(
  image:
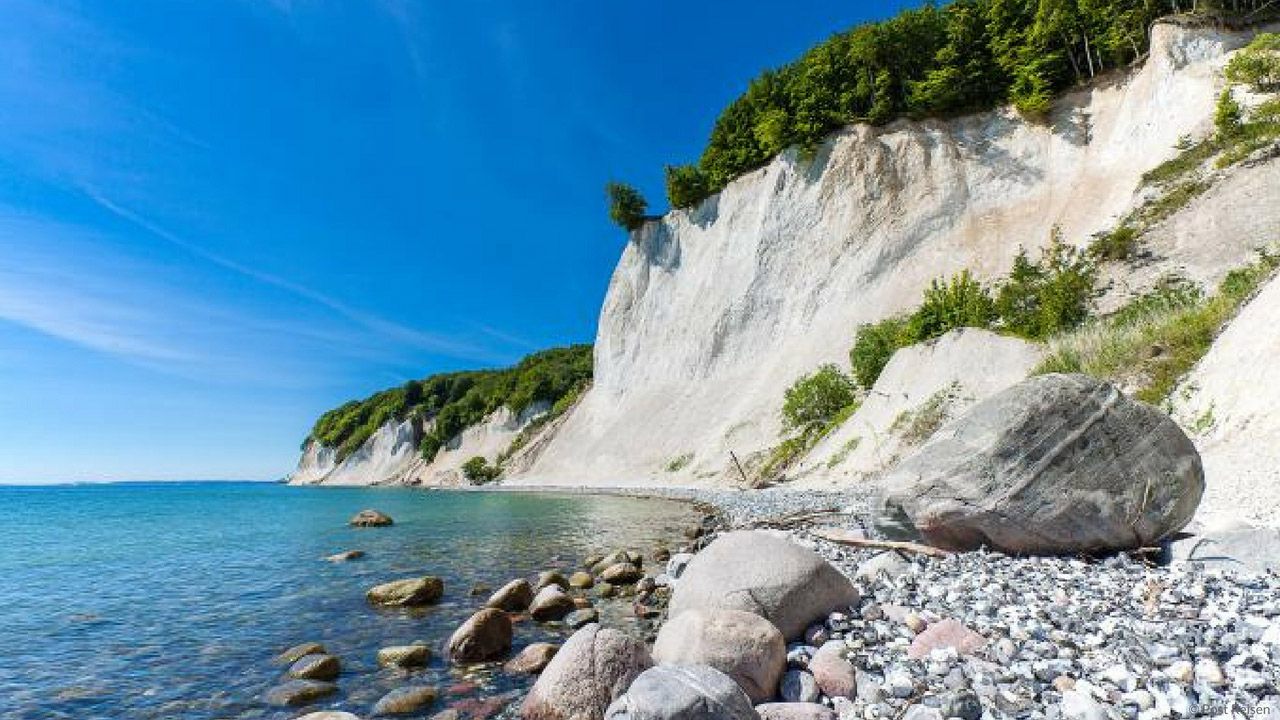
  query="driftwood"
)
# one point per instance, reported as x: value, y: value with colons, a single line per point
x: 841, y: 537
x: 792, y: 520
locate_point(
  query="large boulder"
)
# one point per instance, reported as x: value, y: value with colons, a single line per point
x: 683, y: 692
x: 410, y: 592
x: 485, y: 635
x: 515, y: 596
x: 742, y: 645
x: 1056, y: 464
x: 592, y: 668
x: 766, y: 574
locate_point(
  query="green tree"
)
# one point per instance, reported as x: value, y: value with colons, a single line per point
x: 1258, y: 64
x: 1039, y: 299
x: 686, y: 186
x: 626, y: 205
x: 814, y: 401
x: 1228, y: 117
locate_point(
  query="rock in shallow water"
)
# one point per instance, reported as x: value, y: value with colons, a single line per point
x: 581, y: 618
x: 682, y: 692
x: 405, y: 701
x: 485, y: 635
x: 744, y: 646
x: 371, y: 518
x: 290, y: 656
x: 515, y: 596
x: 316, y: 667
x: 593, y: 667
x: 551, y: 603
x: 766, y: 574
x: 410, y: 592
x: 345, y: 556
x: 532, y: 659
x: 404, y: 656
x: 298, y: 692
x: 1056, y: 464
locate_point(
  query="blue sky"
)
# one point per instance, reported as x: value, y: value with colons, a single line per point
x: 219, y: 219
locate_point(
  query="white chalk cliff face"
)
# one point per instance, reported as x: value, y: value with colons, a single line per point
x: 391, y: 456
x: 713, y: 312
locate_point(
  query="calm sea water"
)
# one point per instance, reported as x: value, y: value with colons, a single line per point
x: 169, y: 600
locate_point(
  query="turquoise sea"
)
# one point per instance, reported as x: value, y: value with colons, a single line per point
x: 170, y: 600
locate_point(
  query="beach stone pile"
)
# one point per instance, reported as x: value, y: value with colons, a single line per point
x: 976, y: 636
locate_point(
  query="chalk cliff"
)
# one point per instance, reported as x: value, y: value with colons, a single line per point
x: 713, y: 312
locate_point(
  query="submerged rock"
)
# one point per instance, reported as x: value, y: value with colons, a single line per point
x: 316, y: 667
x: 405, y: 701
x: 1056, y: 464
x: 371, y: 518
x: 345, y: 556
x: 581, y: 617
x: 594, y: 667
x: 532, y: 659
x: 623, y: 573
x: 404, y: 656
x: 682, y: 692
x: 329, y: 715
x: 766, y: 574
x: 551, y: 603
x: 486, y: 635
x: 290, y: 656
x: 298, y: 692
x: 515, y: 596
x: 744, y: 646
x: 581, y: 580
x: 551, y: 577
x: 407, y: 593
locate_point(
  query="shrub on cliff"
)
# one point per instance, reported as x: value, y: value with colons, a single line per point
x: 478, y: 471
x: 626, y: 205
x: 1258, y: 65
x: 959, y: 302
x: 1228, y: 116
x: 874, y: 346
x: 1041, y: 298
x: 814, y: 401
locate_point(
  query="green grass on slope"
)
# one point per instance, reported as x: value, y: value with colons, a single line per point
x: 1155, y: 340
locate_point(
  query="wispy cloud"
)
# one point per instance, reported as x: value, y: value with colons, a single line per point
x: 388, y: 329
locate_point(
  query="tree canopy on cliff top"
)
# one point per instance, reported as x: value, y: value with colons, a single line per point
x: 935, y: 61
x: 456, y: 401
